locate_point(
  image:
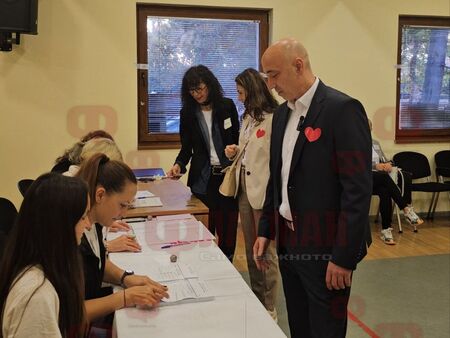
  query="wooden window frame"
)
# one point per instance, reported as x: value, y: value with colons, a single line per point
x: 143, y: 10
x: 416, y: 135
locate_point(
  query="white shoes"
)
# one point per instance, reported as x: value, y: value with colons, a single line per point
x: 412, y: 217
x: 386, y: 236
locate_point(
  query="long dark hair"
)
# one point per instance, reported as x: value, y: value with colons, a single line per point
x: 258, y: 98
x: 111, y: 175
x: 44, y: 234
x: 192, y: 79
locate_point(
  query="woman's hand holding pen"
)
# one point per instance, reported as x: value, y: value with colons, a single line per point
x: 231, y: 151
x: 146, y: 289
x: 144, y: 295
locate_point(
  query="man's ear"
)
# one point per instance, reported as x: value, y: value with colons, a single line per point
x: 100, y: 194
x: 298, y: 64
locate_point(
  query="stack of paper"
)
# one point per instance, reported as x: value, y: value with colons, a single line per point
x: 183, y: 284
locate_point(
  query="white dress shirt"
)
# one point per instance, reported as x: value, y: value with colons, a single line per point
x: 299, y: 108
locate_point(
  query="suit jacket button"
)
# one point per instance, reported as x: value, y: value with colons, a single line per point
x: 248, y: 173
x: 290, y: 187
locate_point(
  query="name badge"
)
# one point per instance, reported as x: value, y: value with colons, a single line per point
x: 227, y: 123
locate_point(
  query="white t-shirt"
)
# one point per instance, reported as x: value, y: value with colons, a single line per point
x: 213, y: 155
x: 32, y: 307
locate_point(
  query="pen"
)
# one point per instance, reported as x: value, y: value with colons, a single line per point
x: 178, y: 243
x: 134, y: 220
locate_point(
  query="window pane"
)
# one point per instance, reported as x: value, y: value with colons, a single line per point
x: 227, y: 47
x: 425, y: 78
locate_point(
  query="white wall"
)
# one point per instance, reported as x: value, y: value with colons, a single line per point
x: 82, y: 64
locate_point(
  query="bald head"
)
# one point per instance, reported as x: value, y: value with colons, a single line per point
x: 287, y: 66
x: 289, y: 49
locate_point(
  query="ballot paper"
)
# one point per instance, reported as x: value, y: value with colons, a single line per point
x: 187, y: 290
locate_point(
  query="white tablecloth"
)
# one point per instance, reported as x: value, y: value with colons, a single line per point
x: 234, y: 312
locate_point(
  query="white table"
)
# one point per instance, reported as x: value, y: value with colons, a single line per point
x: 234, y: 312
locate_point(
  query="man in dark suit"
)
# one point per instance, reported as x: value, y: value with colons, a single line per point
x: 318, y: 195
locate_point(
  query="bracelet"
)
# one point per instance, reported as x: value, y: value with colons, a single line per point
x: 124, y: 299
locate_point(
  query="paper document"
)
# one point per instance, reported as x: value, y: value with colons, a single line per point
x: 143, y: 194
x: 174, y: 231
x: 147, y: 202
x: 174, y: 271
x: 174, y: 217
x: 187, y: 290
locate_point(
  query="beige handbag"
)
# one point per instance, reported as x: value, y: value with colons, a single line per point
x: 228, y: 186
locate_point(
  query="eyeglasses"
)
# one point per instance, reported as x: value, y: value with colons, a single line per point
x: 197, y: 90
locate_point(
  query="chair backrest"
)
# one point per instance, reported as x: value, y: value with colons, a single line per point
x: 442, y: 160
x: 23, y: 185
x: 416, y: 163
x: 8, y: 214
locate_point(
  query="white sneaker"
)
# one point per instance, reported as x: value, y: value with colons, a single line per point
x: 412, y: 217
x: 386, y: 236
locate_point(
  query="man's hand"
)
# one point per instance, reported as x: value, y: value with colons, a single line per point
x: 337, y: 278
x: 259, y: 253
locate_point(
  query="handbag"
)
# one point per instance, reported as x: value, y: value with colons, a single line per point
x: 228, y: 186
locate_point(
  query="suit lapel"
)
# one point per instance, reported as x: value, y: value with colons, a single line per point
x: 311, y: 116
x: 278, y: 130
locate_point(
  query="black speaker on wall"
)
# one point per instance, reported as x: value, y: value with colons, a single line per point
x: 18, y: 16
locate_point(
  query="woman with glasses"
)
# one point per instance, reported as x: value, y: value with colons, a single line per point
x: 208, y: 123
x: 41, y: 284
x: 252, y: 171
x: 112, y: 187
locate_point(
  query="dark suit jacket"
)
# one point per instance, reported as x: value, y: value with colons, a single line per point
x: 330, y: 181
x: 195, y: 141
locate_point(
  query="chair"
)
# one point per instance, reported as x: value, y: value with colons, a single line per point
x: 8, y: 213
x: 442, y: 160
x: 23, y: 185
x: 417, y: 164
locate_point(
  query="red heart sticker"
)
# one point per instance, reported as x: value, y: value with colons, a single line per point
x: 312, y: 134
x: 260, y: 133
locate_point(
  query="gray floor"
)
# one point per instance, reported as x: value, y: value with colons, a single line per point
x: 404, y: 297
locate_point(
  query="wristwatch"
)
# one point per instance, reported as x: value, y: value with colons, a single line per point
x: 125, y: 273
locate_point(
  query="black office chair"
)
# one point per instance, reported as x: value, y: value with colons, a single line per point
x: 417, y: 164
x: 23, y: 185
x: 8, y: 214
x: 442, y: 160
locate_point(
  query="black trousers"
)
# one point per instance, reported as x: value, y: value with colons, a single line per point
x: 313, y: 310
x: 223, y: 215
x: 386, y: 189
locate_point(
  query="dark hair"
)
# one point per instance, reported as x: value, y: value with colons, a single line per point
x: 73, y: 153
x: 192, y: 79
x: 111, y: 175
x: 258, y: 98
x: 44, y: 234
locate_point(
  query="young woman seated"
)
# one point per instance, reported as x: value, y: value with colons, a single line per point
x: 41, y: 284
x: 112, y: 187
